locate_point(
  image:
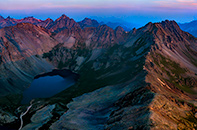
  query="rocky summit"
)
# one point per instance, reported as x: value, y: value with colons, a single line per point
x: 142, y: 79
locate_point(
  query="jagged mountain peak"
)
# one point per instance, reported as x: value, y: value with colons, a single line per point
x: 162, y: 28
x: 1, y: 17
x: 119, y: 28
x: 166, y: 24
x: 62, y: 23
x: 48, y: 19
x: 9, y: 18
x: 87, y: 22
x: 171, y: 41
x: 154, y: 48
x: 63, y: 17
x: 86, y: 19
x: 170, y: 28
x: 148, y: 26
x: 170, y: 24
x: 104, y: 26
x: 31, y: 19
x: 133, y: 31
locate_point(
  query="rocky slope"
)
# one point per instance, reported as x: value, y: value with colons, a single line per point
x: 92, y: 37
x: 20, y: 47
x: 144, y: 79
x: 171, y: 67
x: 54, y: 26
x: 161, y: 97
x: 62, y: 23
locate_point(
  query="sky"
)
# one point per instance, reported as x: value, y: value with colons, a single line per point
x: 138, y: 12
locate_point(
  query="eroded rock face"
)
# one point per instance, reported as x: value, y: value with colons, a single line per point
x: 93, y: 37
x: 144, y: 79
x: 62, y: 23
x: 20, y: 47
x: 170, y: 68
x: 24, y: 40
x: 166, y: 101
x: 92, y: 110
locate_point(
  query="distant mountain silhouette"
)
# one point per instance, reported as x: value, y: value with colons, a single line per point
x: 190, y: 27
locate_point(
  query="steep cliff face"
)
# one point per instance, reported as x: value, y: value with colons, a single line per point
x: 20, y: 47
x: 25, y: 39
x: 155, y: 69
x: 144, y: 79
x: 171, y: 66
x: 62, y: 23
x: 92, y: 37
x: 171, y: 79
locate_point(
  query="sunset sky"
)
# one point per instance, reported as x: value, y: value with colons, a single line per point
x: 140, y: 11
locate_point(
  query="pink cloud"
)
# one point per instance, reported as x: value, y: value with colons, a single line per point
x: 177, y: 4
x: 168, y: 4
x: 186, y: 1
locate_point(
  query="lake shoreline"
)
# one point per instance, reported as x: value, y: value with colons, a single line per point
x: 48, y: 84
x: 65, y: 73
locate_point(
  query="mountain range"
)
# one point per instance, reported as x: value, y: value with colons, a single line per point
x: 59, y: 24
x: 190, y: 27
x: 142, y: 79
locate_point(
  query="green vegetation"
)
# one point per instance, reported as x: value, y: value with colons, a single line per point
x: 10, y: 102
x: 60, y: 65
x: 193, y: 61
x: 174, y: 72
x: 121, y: 70
x: 172, y: 66
x: 65, y: 57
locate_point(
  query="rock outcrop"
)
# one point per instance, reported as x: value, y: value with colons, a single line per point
x: 20, y: 47
x: 144, y: 79
x: 166, y: 96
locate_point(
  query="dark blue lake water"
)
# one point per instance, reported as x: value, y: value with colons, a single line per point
x: 45, y: 87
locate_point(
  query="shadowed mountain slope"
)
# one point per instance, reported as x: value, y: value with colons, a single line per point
x: 169, y: 57
x: 18, y: 46
x: 144, y: 79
